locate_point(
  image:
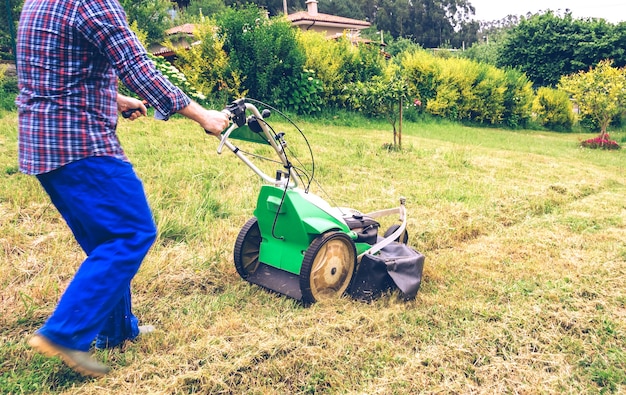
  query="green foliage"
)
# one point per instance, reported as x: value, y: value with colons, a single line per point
x: 381, y: 96
x: 361, y: 62
x: 339, y: 62
x: 8, y: 89
x: 197, y: 9
x: 483, y: 52
x: 547, y: 46
x: 152, y: 16
x: 211, y: 78
x: 263, y: 50
x: 464, y: 90
x: 306, y: 94
x: 178, y: 78
x: 518, y: 99
x: 401, y: 45
x: 600, y: 92
x: 553, y: 109
x: 421, y: 71
x: 8, y: 27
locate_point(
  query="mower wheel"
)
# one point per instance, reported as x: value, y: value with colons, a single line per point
x: 403, y: 238
x: 328, y: 266
x: 247, y: 248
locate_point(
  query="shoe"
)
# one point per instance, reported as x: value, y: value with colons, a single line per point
x: 145, y: 329
x: 79, y: 361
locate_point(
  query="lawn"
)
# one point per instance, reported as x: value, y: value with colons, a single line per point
x: 524, y: 234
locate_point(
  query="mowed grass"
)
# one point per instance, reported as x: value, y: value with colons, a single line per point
x: 524, y: 235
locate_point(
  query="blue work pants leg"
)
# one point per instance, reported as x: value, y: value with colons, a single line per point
x: 104, y: 204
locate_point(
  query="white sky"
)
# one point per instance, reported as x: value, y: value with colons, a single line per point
x: 612, y: 10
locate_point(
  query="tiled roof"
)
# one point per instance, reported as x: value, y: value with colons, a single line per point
x: 339, y: 20
x: 187, y: 28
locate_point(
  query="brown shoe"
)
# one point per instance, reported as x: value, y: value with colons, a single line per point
x: 79, y: 361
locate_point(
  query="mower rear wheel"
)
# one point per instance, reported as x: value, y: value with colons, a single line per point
x: 247, y: 248
x: 327, y: 267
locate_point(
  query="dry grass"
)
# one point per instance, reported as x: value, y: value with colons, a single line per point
x: 525, y: 243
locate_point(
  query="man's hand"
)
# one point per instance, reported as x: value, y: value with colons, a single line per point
x: 125, y: 103
x: 213, y: 122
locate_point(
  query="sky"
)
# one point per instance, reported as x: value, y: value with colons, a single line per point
x: 613, y: 11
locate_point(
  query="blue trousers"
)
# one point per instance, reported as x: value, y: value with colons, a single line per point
x: 104, y: 204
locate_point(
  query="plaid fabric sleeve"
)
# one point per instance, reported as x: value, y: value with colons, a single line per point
x: 103, y: 23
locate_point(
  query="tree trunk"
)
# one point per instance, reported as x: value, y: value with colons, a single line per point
x: 400, y: 127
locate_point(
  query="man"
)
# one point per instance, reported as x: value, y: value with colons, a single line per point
x: 70, y: 54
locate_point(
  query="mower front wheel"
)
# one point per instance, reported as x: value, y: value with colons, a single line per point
x: 247, y: 248
x: 328, y: 266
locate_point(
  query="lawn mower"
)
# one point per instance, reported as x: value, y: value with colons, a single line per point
x: 297, y: 244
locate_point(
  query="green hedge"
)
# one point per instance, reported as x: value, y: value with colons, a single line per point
x: 464, y: 90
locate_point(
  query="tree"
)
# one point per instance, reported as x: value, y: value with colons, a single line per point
x: 547, y: 46
x: 384, y: 95
x: 264, y: 51
x: 8, y: 25
x: 208, y: 78
x: 599, y: 93
x: 152, y: 16
x: 197, y: 8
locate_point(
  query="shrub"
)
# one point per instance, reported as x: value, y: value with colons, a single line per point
x: 339, y: 62
x: 457, y: 89
x: 518, y: 98
x: 553, y: 109
x: 263, y: 51
x: 421, y: 70
x: 208, y: 77
x: 8, y: 90
x: 306, y: 94
x: 600, y: 92
x: 178, y: 78
x: 602, y: 142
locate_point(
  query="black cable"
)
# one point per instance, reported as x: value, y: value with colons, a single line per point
x: 312, y: 176
x: 280, y: 206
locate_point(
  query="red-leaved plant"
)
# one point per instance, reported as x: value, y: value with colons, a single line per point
x: 602, y: 141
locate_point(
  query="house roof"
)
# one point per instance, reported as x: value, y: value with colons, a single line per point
x: 187, y: 28
x: 318, y: 19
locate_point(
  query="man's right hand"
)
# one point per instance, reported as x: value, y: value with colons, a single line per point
x: 212, y: 121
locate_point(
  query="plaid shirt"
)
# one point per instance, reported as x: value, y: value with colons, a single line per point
x: 69, y: 56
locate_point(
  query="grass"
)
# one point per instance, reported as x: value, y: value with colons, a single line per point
x: 524, y: 235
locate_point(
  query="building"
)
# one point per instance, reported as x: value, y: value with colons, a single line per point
x: 179, y: 36
x: 331, y: 25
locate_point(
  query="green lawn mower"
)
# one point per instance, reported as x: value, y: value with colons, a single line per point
x: 297, y: 244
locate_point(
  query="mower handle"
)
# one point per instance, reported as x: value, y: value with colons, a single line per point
x: 236, y: 112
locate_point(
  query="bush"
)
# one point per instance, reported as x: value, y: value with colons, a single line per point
x: 602, y: 142
x: 464, y: 90
x: 306, y: 94
x: 553, y: 109
x: 518, y: 98
x: 599, y: 92
x: 8, y: 90
x: 208, y: 77
x: 339, y: 62
x: 265, y: 52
